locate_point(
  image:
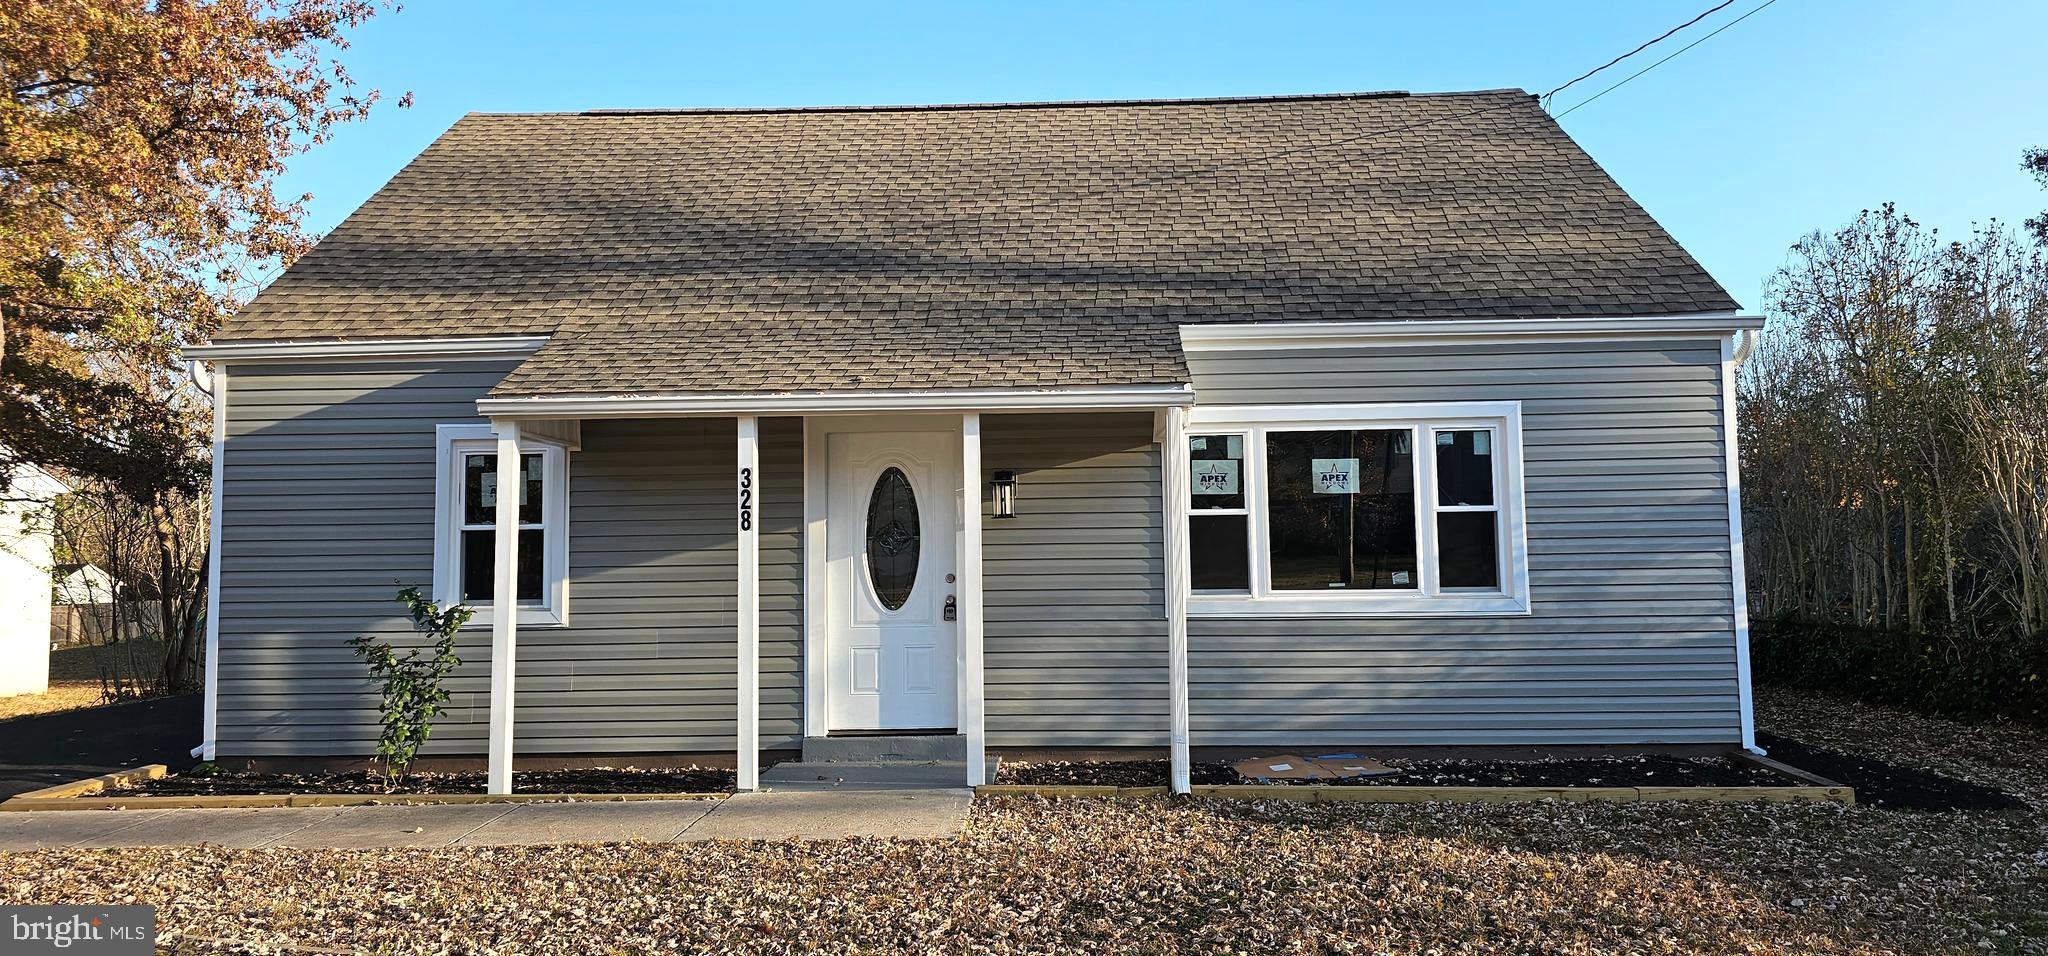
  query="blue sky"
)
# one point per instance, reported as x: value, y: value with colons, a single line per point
x: 1789, y: 122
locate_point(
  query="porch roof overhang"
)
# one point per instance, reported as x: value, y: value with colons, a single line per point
x: 847, y: 402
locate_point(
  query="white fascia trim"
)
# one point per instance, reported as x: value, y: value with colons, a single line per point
x: 1224, y: 416
x: 1296, y: 335
x: 743, y: 403
x: 358, y: 349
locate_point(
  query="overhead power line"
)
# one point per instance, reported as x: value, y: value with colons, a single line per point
x: 1164, y: 178
x: 1674, y: 55
x: 1725, y: 4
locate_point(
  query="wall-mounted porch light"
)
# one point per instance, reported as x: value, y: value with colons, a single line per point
x: 1005, y: 494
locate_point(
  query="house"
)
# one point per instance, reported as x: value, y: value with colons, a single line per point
x: 92, y: 606
x: 84, y: 584
x: 1363, y: 420
x: 26, y: 545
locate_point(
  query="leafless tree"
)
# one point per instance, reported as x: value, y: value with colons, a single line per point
x: 1895, y: 432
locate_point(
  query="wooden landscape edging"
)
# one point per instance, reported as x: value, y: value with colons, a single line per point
x: 1324, y: 793
x: 71, y: 796
x: 119, y: 778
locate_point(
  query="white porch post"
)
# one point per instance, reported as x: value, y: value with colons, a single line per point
x: 1173, y: 450
x: 749, y: 474
x: 504, y: 606
x: 968, y: 661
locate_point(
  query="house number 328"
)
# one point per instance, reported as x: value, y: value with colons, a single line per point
x: 746, y: 499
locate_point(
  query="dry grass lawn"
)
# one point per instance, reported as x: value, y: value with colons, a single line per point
x: 89, y: 662
x: 62, y: 695
x: 76, y: 672
x: 1036, y: 875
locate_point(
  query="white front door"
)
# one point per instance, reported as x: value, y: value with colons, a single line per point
x: 889, y: 531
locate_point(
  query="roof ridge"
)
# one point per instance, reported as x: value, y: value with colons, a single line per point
x: 1018, y: 105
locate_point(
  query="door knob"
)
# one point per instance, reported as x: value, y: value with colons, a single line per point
x: 952, y: 608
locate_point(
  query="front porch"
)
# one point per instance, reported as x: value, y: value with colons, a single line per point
x: 737, y: 551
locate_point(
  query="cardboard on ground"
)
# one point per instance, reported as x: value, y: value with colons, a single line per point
x: 1331, y: 766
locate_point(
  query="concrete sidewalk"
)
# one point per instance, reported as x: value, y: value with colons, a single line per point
x: 803, y: 814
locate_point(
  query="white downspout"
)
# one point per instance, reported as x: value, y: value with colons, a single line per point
x: 1734, y: 349
x: 214, y: 387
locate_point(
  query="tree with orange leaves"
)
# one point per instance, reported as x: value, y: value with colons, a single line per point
x: 140, y: 146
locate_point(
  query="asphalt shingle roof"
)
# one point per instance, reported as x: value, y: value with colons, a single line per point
x: 1024, y: 245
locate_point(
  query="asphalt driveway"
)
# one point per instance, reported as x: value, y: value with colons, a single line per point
x: 45, y: 749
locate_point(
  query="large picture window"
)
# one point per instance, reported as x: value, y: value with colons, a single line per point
x: 1357, y: 509
x: 466, y: 509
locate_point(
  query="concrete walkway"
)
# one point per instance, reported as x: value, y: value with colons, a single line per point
x: 801, y: 802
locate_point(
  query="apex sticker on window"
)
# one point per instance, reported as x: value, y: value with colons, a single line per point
x: 1334, y: 476
x: 1215, y: 477
x: 488, y: 493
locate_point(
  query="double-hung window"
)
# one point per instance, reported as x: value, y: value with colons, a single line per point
x: 466, y: 511
x: 1357, y: 509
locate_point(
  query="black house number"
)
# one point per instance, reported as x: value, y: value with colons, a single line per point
x: 746, y: 499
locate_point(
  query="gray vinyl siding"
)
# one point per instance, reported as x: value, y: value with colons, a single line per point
x: 1631, y: 639
x: 1074, y: 647
x: 328, y: 507
x: 647, y: 662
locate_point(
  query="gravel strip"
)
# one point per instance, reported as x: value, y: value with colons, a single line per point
x: 1043, y: 875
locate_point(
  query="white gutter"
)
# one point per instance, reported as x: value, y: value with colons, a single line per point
x: 1285, y: 335
x: 756, y: 403
x: 367, y: 349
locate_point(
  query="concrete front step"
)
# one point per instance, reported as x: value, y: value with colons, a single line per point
x: 918, y: 748
x: 810, y: 777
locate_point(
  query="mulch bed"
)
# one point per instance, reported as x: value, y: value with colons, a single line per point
x: 1632, y: 770
x: 1889, y: 785
x: 597, y: 780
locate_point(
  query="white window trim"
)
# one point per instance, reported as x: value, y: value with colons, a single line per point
x: 451, y: 443
x: 1504, y: 419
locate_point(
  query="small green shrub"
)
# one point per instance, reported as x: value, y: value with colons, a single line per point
x: 1948, y: 675
x: 412, y: 695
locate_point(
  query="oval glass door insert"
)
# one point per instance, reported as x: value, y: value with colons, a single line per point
x: 893, y: 538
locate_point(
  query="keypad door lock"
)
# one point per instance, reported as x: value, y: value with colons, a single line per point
x: 952, y: 608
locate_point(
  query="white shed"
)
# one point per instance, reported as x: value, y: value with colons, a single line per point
x: 26, y: 543
x: 85, y: 584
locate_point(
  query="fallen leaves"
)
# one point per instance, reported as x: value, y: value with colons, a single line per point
x: 1097, y: 876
